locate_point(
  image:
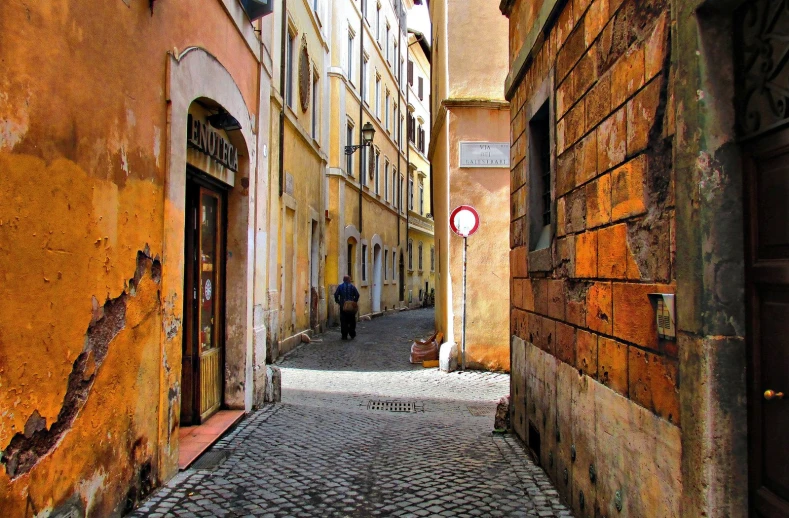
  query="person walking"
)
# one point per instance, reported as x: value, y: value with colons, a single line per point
x: 347, y: 297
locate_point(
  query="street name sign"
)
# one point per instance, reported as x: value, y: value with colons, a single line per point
x: 485, y: 154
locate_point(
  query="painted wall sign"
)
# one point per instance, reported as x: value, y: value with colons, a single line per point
x: 201, y: 137
x: 485, y: 154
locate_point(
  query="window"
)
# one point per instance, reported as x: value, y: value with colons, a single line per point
x: 349, y: 142
x: 540, y: 180
x: 421, y: 198
x: 377, y: 171
x: 378, y: 23
x: 364, y: 8
x: 362, y: 166
x: 410, y: 254
x: 394, y: 59
x: 386, y: 180
x: 386, y: 264
x: 410, y: 193
x: 290, y: 50
x: 315, y: 101
x: 421, y: 88
x: 363, y: 86
x: 386, y: 42
x: 400, y: 77
x: 394, y: 123
x: 410, y: 72
x: 350, y: 56
x: 419, y: 256
x: 402, y: 183
x: 378, y: 96
x: 432, y: 258
x: 387, y: 110
x: 364, y: 262
x: 350, y: 259
x: 400, y: 127
x: 394, y: 265
x: 394, y: 187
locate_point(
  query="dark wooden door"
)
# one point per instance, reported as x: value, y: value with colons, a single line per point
x: 203, y: 335
x: 767, y: 206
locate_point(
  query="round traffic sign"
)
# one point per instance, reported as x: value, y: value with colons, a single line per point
x: 464, y: 220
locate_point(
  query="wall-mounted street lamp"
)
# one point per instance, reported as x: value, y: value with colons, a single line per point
x: 368, y: 132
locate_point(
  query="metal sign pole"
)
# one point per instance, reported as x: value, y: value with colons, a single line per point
x: 463, y: 335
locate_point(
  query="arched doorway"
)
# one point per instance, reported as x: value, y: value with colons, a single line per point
x: 212, y: 163
x: 401, y: 277
x: 377, y: 278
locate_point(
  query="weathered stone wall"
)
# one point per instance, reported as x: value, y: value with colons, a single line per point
x: 595, y: 393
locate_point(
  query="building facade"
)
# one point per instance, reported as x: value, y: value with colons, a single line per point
x: 421, y: 253
x: 469, y: 111
x: 648, y: 303
x: 298, y: 160
x: 135, y: 206
x: 366, y: 215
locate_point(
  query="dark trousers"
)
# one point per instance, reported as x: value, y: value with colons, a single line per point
x: 347, y: 324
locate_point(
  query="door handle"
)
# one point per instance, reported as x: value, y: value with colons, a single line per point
x: 771, y: 394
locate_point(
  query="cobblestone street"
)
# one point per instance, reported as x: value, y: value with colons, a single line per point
x: 322, y: 452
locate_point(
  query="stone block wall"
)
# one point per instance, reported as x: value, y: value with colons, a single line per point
x: 595, y: 392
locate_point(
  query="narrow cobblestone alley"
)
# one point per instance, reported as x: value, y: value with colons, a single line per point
x: 322, y: 452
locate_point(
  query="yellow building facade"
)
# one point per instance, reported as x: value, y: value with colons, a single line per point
x: 298, y: 159
x: 420, y: 248
x: 470, y: 119
x: 366, y: 229
x: 132, y: 242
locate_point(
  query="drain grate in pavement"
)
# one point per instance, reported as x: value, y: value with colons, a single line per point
x: 211, y: 460
x: 481, y: 411
x: 395, y: 406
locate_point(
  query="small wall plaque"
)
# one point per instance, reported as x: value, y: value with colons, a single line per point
x: 485, y: 154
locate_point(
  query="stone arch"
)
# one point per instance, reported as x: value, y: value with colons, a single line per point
x: 192, y: 75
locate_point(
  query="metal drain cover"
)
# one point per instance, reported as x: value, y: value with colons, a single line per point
x: 395, y: 406
x: 211, y: 460
x: 481, y: 411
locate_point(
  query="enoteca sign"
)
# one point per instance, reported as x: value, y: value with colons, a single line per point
x: 485, y: 154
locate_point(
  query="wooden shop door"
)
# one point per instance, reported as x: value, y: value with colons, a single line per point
x: 767, y: 302
x: 203, y: 341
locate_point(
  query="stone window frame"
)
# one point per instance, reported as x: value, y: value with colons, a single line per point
x: 540, y: 260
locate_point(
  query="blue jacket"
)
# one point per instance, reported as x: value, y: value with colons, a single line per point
x: 346, y: 291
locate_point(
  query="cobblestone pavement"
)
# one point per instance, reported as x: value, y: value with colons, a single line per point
x: 321, y: 452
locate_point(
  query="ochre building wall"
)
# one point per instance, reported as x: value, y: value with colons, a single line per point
x: 593, y: 389
x: 83, y: 152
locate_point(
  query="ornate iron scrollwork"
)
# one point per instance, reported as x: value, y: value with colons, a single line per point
x: 762, y: 47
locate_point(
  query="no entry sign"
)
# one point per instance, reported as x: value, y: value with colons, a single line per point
x: 464, y: 220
